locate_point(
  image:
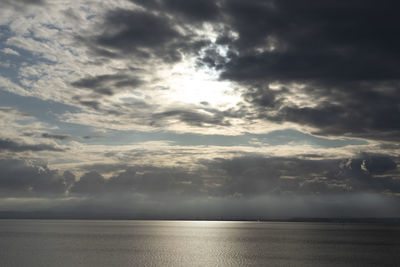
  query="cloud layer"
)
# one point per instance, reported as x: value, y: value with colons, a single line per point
x: 224, y: 183
x: 259, y: 105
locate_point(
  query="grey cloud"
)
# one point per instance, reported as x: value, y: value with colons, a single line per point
x: 14, y: 111
x: 107, y: 84
x: 22, y: 178
x: 90, y: 182
x: 55, y: 136
x: 145, y: 180
x: 87, y: 137
x: 193, y: 10
x: 212, y: 59
x: 193, y: 118
x: 249, y: 176
x: 138, y: 33
x: 362, y: 112
x: 31, y: 2
x: 133, y: 206
x: 264, y: 97
x: 230, y: 182
x: 329, y: 42
x: 68, y: 178
x: 128, y: 109
x: 255, y: 175
x: 20, y: 3
x: 189, y: 10
x: 147, y: 36
x: 89, y: 103
x: 344, y: 53
x: 10, y: 145
x: 360, y: 173
x: 103, y: 168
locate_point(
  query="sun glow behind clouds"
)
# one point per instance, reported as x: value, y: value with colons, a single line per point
x: 189, y: 85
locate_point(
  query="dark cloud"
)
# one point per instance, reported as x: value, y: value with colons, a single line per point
x: 131, y: 32
x: 248, y: 176
x: 24, y: 178
x: 238, y: 177
x: 23, y: 2
x: 144, y: 180
x: 10, y: 145
x: 152, y: 34
x: 193, y: 10
x: 360, y: 173
x: 55, y: 136
x: 14, y: 111
x: 88, y: 137
x: 264, y: 97
x: 68, y: 178
x: 328, y: 42
x: 93, y: 104
x: 248, y: 181
x: 189, y: 10
x: 193, y: 118
x: 345, y: 53
x: 103, y: 168
x: 31, y: 2
x: 357, y: 112
x: 91, y: 182
x: 107, y: 84
x: 22, y: 5
x: 131, y: 29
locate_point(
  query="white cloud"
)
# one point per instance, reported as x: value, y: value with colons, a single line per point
x: 10, y: 51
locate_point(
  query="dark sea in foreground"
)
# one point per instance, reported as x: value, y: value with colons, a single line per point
x: 196, y: 243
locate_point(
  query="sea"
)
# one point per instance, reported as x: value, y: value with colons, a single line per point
x: 196, y: 243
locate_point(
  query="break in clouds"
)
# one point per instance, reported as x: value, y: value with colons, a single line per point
x: 200, y: 109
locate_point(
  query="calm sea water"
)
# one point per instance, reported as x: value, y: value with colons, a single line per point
x: 190, y: 243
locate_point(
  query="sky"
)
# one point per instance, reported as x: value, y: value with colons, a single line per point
x: 200, y: 109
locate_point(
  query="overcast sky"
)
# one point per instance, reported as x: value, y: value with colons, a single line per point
x: 211, y: 108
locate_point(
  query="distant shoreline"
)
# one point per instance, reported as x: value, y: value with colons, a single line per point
x: 17, y: 215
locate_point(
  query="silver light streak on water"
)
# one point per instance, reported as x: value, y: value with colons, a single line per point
x: 196, y: 243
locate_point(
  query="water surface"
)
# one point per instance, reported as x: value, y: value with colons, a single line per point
x: 196, y: 243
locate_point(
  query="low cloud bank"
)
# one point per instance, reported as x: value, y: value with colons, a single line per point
x: 238, y: 188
